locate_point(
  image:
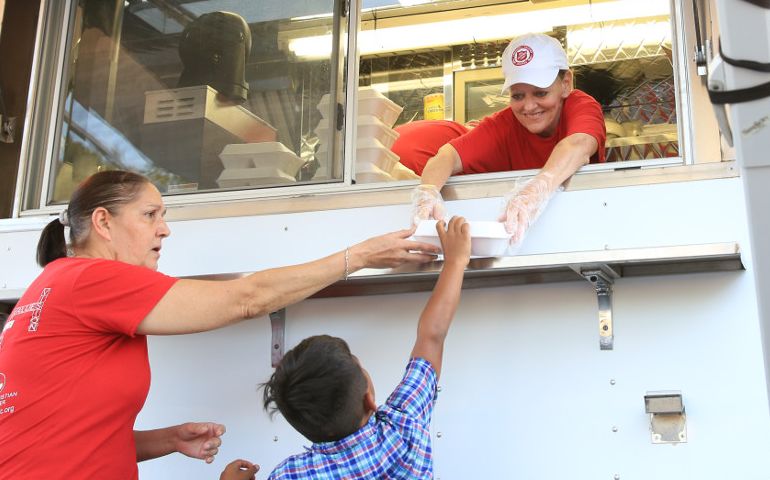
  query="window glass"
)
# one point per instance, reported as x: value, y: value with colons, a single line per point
x: 442, y: 60
x: 212, y: 95
x: 199, y: 95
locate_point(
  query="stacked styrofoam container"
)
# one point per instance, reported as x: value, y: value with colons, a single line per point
x: 257, y: 164
x: 374, y: 135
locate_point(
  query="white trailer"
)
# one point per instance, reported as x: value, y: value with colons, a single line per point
x: 623, y: 341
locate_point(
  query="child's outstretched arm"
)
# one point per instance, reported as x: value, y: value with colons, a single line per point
x: 440, y: 309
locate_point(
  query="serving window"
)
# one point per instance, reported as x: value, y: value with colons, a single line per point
x: 197, y: 98
x: 621, y: 53
x: 253, y: 101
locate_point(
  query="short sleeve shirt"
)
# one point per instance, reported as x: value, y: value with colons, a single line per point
x: 74, y: 372
x: 420, y: 140
x: 394, y: 444
x: 501, y: 143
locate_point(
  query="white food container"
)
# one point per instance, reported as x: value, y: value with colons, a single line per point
x: 401, y: 172
x: 371, y: 151
x: 488, y: 239
x: 273, y: 155
x: 372, y: 174
x: 370, y: 102
x: 367, y: 126
x: 253, y: 177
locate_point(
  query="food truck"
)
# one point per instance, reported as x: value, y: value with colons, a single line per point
x: 627, y: 337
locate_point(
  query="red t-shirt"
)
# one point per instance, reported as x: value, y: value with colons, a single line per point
x: 73, y: 372
x: 419, y: 141
x: 500, y: 143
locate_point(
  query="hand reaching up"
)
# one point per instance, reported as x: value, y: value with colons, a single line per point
x: 455, y: 240
x: 239, y: 470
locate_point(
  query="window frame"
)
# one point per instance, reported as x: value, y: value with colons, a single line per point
x: 46, y: 102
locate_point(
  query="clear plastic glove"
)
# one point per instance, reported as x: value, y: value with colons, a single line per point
x: 524, y: 204
x: 427, y: 203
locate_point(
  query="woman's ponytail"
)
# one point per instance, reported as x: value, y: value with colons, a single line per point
x: 52, y: 244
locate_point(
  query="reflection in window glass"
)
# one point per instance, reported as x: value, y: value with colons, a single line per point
x: 445, y: 64
x: 195, y: 98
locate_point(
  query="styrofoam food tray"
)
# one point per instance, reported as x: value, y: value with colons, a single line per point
x: 367, y: 126
x: 255, y: 148
x: 368, y: 152
x: 370, y: 102
x: 488, y: 239
x: 253, y: 177
x: 372, y: 174
x: 371, y: 151
x: 402, y: 172
x: 259, y: 155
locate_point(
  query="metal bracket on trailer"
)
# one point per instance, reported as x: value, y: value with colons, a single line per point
x: 602, y: 277
x: 278, y: 329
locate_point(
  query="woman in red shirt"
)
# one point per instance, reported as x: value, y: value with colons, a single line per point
x: 548, y: 125
x: 73, y: 353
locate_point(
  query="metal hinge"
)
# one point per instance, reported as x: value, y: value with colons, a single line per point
x: 278, y: 334
x: 602, y: 278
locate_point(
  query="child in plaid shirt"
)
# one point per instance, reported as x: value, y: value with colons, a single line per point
x: 324, y: 393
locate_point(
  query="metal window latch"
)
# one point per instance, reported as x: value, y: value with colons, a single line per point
x: 668, y: 422
x: 278, y: 329
x: 602, y: 278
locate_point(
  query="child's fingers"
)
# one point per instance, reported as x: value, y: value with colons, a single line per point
x: 440, y: 229
x: 465, y: 229
x: 455, y: 224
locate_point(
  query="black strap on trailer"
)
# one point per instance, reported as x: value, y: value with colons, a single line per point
x: 747, y: 64
x: 740, y: 95
x: 749, y: 94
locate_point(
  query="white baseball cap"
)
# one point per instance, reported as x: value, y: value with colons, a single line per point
x: 533, y: 58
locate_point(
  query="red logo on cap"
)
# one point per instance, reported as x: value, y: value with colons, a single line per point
x: 522, y: 55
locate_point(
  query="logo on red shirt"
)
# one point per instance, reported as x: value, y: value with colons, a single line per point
x: 2, y: 382
x: 522, y: 56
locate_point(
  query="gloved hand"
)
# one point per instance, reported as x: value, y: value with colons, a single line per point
x: 524, y: 204
x: 427, y: 203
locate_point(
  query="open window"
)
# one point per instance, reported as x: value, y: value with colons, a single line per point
x: 441, y: 60
x: 196, y: 98
x: 253, y: 102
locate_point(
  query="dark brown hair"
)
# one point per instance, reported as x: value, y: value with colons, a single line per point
x: 319, y: 388
x: 109, y: 189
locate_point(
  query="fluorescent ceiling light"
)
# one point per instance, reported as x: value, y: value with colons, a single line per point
x: 414, y: 84
x: 480, y: 28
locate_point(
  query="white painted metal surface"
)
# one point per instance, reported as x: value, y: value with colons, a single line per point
x: 526, y: 392
x: 750, y: 124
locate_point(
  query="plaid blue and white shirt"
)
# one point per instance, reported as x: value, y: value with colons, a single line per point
x: 394, y: 444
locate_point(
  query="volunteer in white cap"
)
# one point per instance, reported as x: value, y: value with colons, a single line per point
x: 549, y: 125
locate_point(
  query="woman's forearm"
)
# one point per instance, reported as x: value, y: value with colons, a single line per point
x: 568, y: 156
x: 192, y: 306
x: 153, y: 443
x: 441, y: 166
x: 200, y: 305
